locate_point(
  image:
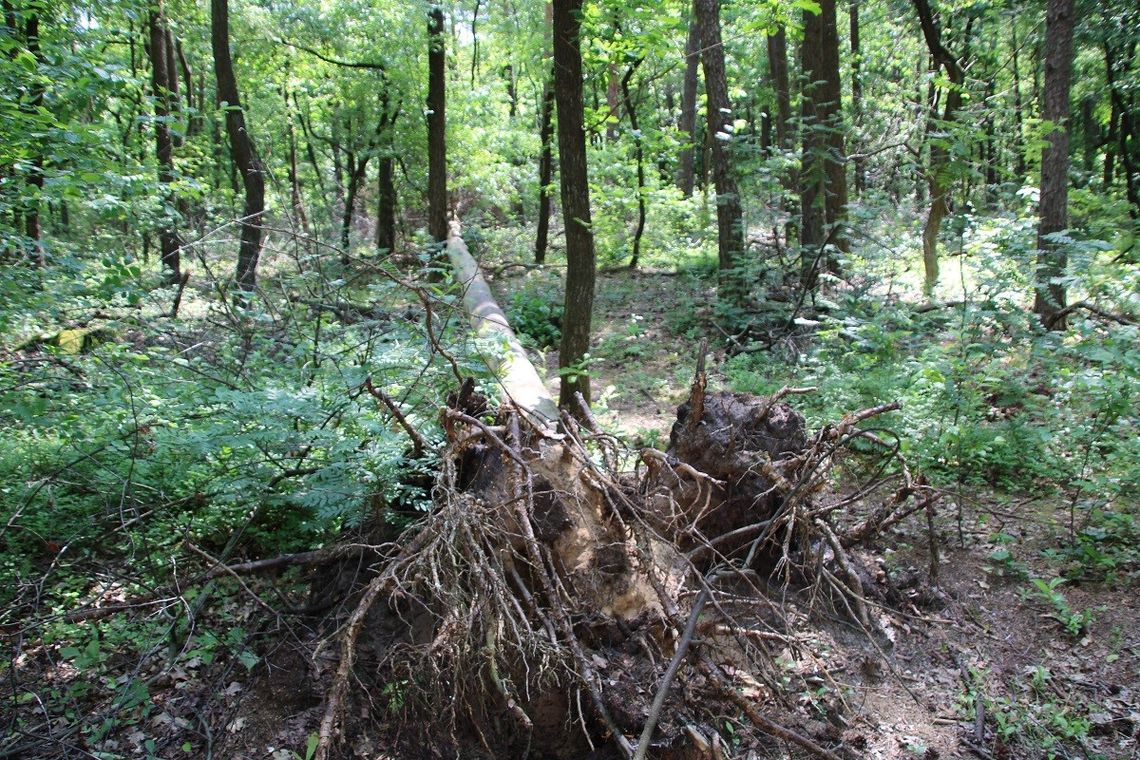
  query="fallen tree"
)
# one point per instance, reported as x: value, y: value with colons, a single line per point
x: 554, y: 604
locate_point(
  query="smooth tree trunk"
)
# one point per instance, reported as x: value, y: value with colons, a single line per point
x: 688, y: 124
x: 242, y: 150
x: 1049, y: 302
x: 437, y: 129
x: 731, y: 288
x: 170, y: 244
x: 580, y: 265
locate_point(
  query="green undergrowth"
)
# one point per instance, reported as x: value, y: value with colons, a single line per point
x: 989, y: 399
x: 231, y: 433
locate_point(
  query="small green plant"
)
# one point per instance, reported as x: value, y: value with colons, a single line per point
x: 1003, y: 559
x: 1074, y: 623
x: 537, y: 317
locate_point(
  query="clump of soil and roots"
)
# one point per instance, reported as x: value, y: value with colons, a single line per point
x: 567, y: 598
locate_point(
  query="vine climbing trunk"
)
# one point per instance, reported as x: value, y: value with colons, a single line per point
x: 242, y: 150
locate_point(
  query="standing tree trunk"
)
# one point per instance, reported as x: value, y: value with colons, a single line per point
x: 161, y: 77
x: 731, y: 287
x: 580, y: 266
x: 242, y: 151
x: 437, y: 129
x: 639, y: 156
x: 688, y: 124
x: 296, y: 200
x: 545, y: 172
x: 823, y: 176
x: 939, y: 155
x: 1049, y: 301
x: 35, y: 180
x: 386, y: 204
x: 857, y: 93
x: 1019, y: 168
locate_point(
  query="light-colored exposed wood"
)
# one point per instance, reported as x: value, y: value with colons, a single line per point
x: 519, y: 379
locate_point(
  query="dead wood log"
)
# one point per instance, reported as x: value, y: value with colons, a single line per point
x: 520, y: 381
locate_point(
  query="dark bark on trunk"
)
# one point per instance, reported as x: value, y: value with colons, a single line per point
x: 1019, y: 168
x: 688, y: 124
x: 173, y: 99
x: 1049, y: 300
x: 1124, y: 138
x: 512, y: 90
x: 386, y: 205
x: 296, y: 199
x: 545, y: 173
x: 437, y: 129
x: 242, y: 149
x: 639, y: 156
x: 35, y: 180
x: 831, y: 114
x: 580, y: 266
x: 812, y: 177
x: 778, y: 67
x: 729, y: 214
x: 857, y: 95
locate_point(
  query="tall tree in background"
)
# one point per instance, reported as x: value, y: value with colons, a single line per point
x: 936, y: 172
x: 856, y: 91
x: 1049, y: 302
x: 729, y: 213
x: 823, y: 173
x: 688, y: 123
x: 165, y: 100
x: 437, y: 128
x: 546, y: 151
x: 580, y: 266
x: 242, y: 150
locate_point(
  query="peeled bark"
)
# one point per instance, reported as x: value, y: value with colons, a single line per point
x: 519, y: 379
x: 241, y: 147
x: 1049, y: 302
x: 580, y: 265
x: 729, y: 214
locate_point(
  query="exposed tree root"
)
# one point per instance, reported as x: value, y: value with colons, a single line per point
x: 545, y: 587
